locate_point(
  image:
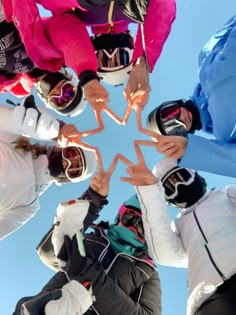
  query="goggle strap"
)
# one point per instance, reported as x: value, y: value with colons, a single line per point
x: 113, y: 41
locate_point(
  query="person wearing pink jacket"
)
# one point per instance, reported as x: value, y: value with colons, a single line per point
x: 63, y: 39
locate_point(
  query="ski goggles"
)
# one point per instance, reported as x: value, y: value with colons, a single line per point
x: 132, y: 220
x: 75, y: 162
x: 169, y: 119
x: 178, y: 176
x: 67, y: 94
x: 119, y: 57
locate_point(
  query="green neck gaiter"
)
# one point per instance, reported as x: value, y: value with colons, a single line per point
x: 125, y: 241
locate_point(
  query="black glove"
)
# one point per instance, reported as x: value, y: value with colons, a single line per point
x: 69, y: 253
x: 37, y: 305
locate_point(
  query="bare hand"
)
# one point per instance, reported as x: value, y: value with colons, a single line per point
x: 137, y: 88
x: 139, y: 173
x: 170, y: 146
x: 98, y: 97
x: 66, y: 133
x: 70, y: 136
x: 101, y: 180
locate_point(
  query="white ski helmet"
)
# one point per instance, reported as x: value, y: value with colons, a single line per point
x: 70, y: 101
x: 114, y: 53
x: 71, y: 164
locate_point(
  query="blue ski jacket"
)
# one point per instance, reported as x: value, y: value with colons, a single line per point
x: 215, y: 97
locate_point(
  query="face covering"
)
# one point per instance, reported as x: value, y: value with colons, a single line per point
x: 125, y: 241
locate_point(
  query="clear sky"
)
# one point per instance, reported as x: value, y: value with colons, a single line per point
x: 174, y: 77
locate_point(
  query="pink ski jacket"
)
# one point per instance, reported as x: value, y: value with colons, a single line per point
x: 63, y: 38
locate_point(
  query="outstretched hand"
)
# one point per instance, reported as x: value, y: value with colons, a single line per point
x: 170, y: 146
x: 139, y: 174
x: 70, y: 136
x: 137, y: 89
x: 101, y: 180
x: 98, y: 97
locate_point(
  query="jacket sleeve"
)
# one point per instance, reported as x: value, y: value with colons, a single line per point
x: 51, y: 291
x: 217, y: 67
x: 21, y: 85
x: 226, y: 35
x: 164, y: 245
x: 157, y: 26
x: 12, y: 220
x: 199, y: 152
x: 116, y: 299
x: 53, y: 41
x: 73, y: 41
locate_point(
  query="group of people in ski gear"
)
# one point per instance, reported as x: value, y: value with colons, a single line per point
x: 112, y: 267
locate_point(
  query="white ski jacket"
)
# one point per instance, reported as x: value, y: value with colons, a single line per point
x: 202, y: 239
x: 22, y: 179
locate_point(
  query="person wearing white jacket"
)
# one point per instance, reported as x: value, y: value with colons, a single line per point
x: 28, y: 169
x: 201, y: 239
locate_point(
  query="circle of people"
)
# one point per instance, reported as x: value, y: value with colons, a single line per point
x: 113, y: 267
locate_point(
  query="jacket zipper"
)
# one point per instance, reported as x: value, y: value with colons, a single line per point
x: 207, y: 249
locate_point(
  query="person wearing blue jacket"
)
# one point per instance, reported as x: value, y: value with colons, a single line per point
x: 211, y: 108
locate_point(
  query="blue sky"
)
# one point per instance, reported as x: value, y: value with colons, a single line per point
x: 174, y: 77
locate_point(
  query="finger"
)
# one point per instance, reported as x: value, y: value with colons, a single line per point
x: 72, y: 135
x: 139, y: 154
x: 130, y: 171
x: 125, y: 160
x: 147, y: 132
x: 112, y: 166
x: 61, y: 142
x: 145, y: 143
x: 99, y: 163
x: 141, y: 97
x: 127, y: 114
x: 126, y: 180
x: 172, y: 152
x: 111, y: 114
x: 127, y: 92
x: 95, y: 185
x: 98, y: 116
x: 139, y: 119
x: 165, y: 147
x: 91, y: 132
x: 98, y: 154
x: 97, y: 178
x: 103, y: 97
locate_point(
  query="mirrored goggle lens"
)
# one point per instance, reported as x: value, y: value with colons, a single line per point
x: 67, y: 95
x: 169, y: 115
x: 75, y: 162
x: 131, y: 219
x: 170, y: 112
x: 119, y: 57
x: 182, y: 176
